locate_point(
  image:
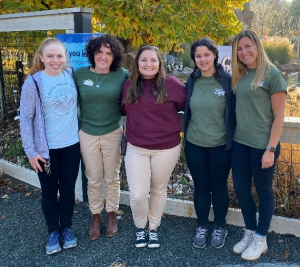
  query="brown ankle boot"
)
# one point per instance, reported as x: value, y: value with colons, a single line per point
x: 112, y: 224
x: 95, y: 227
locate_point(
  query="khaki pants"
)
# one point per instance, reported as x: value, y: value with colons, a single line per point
x: 149, y: 171
x: 102, y: 159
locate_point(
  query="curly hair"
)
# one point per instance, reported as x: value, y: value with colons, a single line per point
x: 37, y: 63
x: 95, y: 43
x: 135, y: 91
x: 211, y: 45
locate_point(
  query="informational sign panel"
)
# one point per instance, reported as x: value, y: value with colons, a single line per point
x: 225, y: 57
x: 75, y: 48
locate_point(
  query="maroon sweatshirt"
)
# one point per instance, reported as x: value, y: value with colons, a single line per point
x: 154, y: 126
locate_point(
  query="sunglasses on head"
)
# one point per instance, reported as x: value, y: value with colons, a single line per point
x: 149, y: 46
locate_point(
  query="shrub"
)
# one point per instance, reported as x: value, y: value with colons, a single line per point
x: 186, y: 56
x: 279, y: 50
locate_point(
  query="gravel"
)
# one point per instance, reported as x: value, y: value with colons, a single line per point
x: 23, y: 236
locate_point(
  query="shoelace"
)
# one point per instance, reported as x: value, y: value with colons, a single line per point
x: 217, y: 233
x: 201, y: 232
x: 153, y: 236
x: 67, y: 234
x: 247, y: 236
x: 254, y: 242
x: 140, y: 235
x: 53, y: 238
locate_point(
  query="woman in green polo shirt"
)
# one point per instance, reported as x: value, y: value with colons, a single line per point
x: 100, y: 88
x: 260, y: 102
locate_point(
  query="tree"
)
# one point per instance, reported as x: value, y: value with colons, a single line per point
x: 274, y: 17
x: 164, y: 23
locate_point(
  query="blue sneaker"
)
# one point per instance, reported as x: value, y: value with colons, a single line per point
x: 53, y: 245
x: 68, y: 238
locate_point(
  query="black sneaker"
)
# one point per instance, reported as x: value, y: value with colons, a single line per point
x: 141, y: 238
x: 153, y: 240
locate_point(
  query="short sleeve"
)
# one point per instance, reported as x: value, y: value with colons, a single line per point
x: 277, y: 84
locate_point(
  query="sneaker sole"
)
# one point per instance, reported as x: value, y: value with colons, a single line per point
x: 223, y: 242
x: 153, y: 246
x: 238, y: 252
x: 53, y: 251
x: 198, y: 246
x: 70, y: 246
x: 141, y: 245
x: 254, y: 259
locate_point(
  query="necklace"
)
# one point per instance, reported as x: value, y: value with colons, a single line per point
x: 98, y: 84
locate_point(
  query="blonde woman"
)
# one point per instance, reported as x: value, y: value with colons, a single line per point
x: 49, y: 130
x: 260, y: 102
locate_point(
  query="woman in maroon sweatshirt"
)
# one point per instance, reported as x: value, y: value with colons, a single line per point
x: 151, y: 100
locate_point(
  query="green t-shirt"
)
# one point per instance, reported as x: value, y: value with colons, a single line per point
x: 254, y: 115
x: 100, y: 105
x: 207, y: 123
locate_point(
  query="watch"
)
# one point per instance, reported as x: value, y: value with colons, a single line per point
x: 271, y: 148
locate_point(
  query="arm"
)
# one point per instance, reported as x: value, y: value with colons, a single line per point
x: 180, y: 93
x: 27, y: 115
x: 123, y: 97
x: 278, y: 106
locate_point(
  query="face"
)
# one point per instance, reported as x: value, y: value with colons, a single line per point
x: 247, y: 53
x: 148, y: 64
x: 54, y: 58
x: 103, y: 59
x: 204, y: 59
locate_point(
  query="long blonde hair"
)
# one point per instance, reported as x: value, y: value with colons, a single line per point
x: 37, y: 63
x: 239, y: 69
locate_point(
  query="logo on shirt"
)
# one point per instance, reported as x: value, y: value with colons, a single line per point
x: 88, y: 82
x: 260, y: 85
x: 219, y: 92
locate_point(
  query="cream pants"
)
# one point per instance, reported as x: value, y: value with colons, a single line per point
x: 102, y: 159
x: 149, y: 171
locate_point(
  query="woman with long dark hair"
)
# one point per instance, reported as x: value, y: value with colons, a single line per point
x: 209, y: 122
x: 151, y: 100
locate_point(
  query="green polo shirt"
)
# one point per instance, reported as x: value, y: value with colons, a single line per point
x: 254, y: 115
x: 207, y: 123
x: 100, y: 105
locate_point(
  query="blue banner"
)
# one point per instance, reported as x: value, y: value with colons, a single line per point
x: 75, y: 47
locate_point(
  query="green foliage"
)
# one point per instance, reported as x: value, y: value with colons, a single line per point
x: 168, y: 23
x: 278, y: 49
x: 164, y: 23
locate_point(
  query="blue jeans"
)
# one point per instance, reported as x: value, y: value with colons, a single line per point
x: 246, y: 163
x: 209, y: 167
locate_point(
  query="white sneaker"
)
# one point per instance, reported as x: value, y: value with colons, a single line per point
x: 257, y: 247
x: 245, y: 242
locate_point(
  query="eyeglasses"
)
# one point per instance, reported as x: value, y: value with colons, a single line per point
x: 149, y: 46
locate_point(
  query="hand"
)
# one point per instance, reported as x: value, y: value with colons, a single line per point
x: 267, y: 159
x: 34, y: 162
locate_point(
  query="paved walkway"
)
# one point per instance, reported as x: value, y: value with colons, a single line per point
x: 23, y: 238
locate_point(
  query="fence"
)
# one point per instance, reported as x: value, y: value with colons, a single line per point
x: 16, y: 52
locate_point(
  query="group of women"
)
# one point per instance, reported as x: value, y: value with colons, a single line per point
x: 228, y: 123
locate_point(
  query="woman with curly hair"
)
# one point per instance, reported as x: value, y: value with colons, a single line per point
x: 100, y: 87
x: 151, y: 100
x: 260, y: 102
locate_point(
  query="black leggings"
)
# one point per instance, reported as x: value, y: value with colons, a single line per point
x: 64, y: 170
x: 209, y: 167
x: 246, y: 165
